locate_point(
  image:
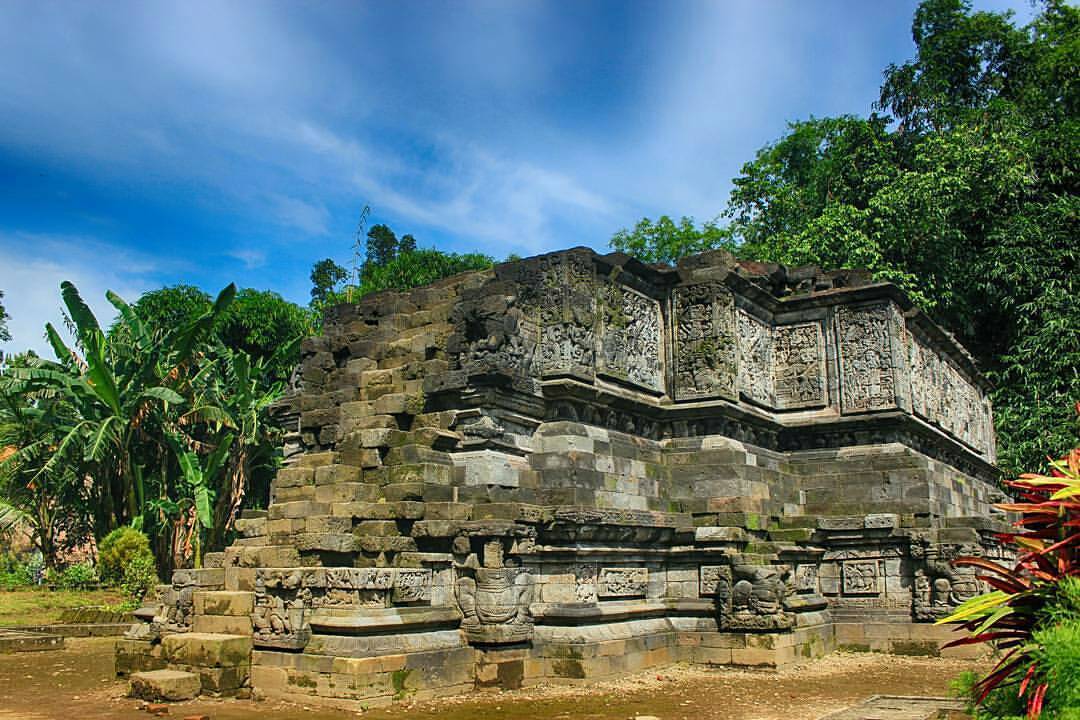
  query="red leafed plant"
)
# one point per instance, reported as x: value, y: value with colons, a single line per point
x: 1048, y: 543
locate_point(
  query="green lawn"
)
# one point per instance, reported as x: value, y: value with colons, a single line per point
x: 41, y: 607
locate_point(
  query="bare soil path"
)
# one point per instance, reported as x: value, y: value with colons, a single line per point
x: 77, y: 683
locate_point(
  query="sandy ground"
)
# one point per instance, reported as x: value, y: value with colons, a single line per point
x: 77, y: 683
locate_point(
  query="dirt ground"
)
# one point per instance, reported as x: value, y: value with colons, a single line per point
x: 77, y: 683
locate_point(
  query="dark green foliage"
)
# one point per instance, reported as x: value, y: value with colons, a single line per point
x: 74, y: 577
x: 382, y: 246
x: 394, y: 264
x: 966, y: 197
x: 267, y: 327
x: 140, y: 577
x: 326, y: 276
x: 420, y: 267
x: 666, y: 240
x: 258, y: 322
x: 5, y: 334
x: 119, y: 549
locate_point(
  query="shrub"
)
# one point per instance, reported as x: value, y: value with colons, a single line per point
x: 75, y: 577
x: 1059, y: 657
x: 140, y: 577
x: 1036, y: 597
x: 119, y: 549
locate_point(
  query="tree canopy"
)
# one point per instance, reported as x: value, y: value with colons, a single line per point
x: 5, y: 334
x: 390, y: 264
x: 159, y: 422
x: 259, y: 322
x: 964, y: 194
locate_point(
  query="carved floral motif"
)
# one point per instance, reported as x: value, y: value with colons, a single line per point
x: 755, y: 360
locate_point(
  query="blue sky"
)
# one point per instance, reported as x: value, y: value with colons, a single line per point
x: 151, y: 143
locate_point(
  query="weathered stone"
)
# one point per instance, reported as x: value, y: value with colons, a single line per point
x: 167, y: 685
x: 578, y: 466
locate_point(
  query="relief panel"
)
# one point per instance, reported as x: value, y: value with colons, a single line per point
x: 867, y: 379
x: 706, y: 358
x: 630, y: 337
x: 943, y: 396
x: 622, y: 582
x: 755, y: 360
x: 799, y: 369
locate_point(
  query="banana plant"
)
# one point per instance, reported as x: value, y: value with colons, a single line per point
x: 124, y: 389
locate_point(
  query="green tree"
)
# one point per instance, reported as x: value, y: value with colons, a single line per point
x: 5, y: 334
x: 382, y: 246
x: 966, y: 197
x: 258, y: 322
x: 666, y: 240
x: 326, y: 276
x: 52, y: 506
x: 164, y: 428
x: 409, y: 270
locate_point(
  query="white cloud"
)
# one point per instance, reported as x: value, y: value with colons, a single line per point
x: 32, y: 266
x: 312, y: 218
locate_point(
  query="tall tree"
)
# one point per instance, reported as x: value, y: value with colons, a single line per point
x: 326, y: 276
x: 966, y: 197
x: 258, y: 322
x: 5, y: 334
x: 382, y: 246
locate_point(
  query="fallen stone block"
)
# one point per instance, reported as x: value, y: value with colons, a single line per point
x: 168, y: 685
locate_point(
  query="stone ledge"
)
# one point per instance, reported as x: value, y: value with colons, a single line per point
x: 349, y: 622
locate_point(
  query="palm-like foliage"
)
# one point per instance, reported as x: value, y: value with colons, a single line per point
x: 1025, y: 595
x: 162, y: 426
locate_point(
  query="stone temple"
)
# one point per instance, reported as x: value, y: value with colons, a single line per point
x: 576, y: 466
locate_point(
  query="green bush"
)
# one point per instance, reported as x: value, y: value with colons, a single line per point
x: 1059, y: 655
x: 118, y: 550
x: 75, y: 577
x: 1001, y: 704
x: 140, y: 577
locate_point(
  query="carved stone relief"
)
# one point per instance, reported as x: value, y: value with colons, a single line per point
x: 630, y: 337
x: 939, y: 587
x: 495, y: 603
x: 757, y: 598
x: 495, y: 598
x: 282, y: 609
x: 755, y: 360
x: 799, y: 370
x: 943, y: 396
x: 860, y: 577
x: 585, y: 582
x: 715, y: 580
x: 867, y: 379
x: 706, y: 358
x: 806, y: 578
x: 622, y: 582
x: 567, y: 302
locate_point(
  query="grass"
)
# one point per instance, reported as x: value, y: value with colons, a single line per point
x: 41, y: 606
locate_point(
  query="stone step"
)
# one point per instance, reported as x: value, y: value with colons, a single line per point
x: 13, y: 640
x: 168, y: 685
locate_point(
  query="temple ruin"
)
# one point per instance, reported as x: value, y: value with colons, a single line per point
x: 576, y: 466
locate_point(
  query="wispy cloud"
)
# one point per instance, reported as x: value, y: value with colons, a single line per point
x: 32, y: 267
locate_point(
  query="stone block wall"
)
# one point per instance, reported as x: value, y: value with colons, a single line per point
x: 577, y: 466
